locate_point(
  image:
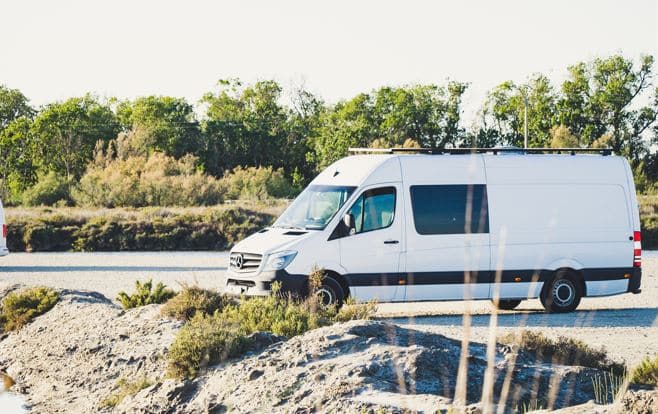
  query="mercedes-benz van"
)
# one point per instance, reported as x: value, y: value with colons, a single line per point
x: 501, y: 226
x: 3, y: 236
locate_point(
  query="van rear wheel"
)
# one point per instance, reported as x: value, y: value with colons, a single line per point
x: 506, y: 304
x: 331, y: 292
x: 562, y: 294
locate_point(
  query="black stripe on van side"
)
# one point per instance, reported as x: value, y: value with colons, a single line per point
x: 456, y: 277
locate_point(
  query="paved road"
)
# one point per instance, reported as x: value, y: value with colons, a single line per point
x: 109, y: 273
x: 627, y: 324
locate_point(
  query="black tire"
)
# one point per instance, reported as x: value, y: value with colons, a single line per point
x: 563, y: 293
x: 331, y: 292
x: 506, y: 304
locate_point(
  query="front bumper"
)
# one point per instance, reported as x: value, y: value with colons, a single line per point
x: 261, y: 285
x: 635, y: 281
x: 4, y: 251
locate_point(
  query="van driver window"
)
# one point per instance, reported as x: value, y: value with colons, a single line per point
x: 374, y: 210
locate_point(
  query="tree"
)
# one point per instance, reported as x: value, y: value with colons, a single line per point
x: 599, y: 100
x: 13, y: 105
x: 425, y: 115
x: 245, y: 126
x: 504, y: 113
x: 14, y: 149
x: 65, y: 134
x: 17, y: 169
x: 303, y: 125
x: 348, y: 124
x: 161, y: 123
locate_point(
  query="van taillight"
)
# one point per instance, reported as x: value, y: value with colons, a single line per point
x: 4, y: 230
x: 637, y: 249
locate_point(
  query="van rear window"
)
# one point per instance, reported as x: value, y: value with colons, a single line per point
x: 450, y: 209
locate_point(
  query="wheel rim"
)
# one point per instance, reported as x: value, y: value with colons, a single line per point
x: 564, y: 293
x: 327, y: 296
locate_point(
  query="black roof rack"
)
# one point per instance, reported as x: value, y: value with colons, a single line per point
x: 495, y: 151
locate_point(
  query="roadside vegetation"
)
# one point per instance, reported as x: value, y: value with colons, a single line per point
x: 209, y: 338
x: 192, y: 300
x: 199, y: 228
x: 562, y: 350
x: 646, y: 373
x: 18, y: 308
x: 649, y: 220
x: 145, y: 294
x: 125, y: 388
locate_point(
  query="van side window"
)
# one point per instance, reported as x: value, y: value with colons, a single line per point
x: 450, y: 209
x: 374, y: 210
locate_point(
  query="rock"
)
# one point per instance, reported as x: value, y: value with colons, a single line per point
x: 640, y: 402
x: 255, y: 374
x: 261, y: 340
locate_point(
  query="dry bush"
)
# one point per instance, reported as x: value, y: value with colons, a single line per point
x: 147, y: 180
x: 192, y: 300
x: 125, y: 388
x: 563, y: 350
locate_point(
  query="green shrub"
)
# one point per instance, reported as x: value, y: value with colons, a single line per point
x: 646, y: 373
x: 204, y: 340
x: 279, y: 314
x: 352, y: 310
x: 563, y: 350
x: 46, y: 237
x: 19, y: 308
x: 145, y: 294
x: 125, y: 388
x: 256, y: 183
x: 203, y: 228
x: 51, y: 189
x: 192, y: 300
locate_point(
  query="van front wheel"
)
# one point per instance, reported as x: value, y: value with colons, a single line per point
x: 562, y: 294
x: 331, y: 292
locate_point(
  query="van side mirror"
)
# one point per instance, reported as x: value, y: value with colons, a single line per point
x: 344, y: 228
x: 348, y: 220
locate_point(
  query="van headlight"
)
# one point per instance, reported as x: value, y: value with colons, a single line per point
x: 279, y: 260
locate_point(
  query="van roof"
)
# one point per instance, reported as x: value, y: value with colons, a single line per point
x: 356, y: 170
x: 494, y: 151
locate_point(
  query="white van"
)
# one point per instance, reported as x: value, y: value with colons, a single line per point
x: 498, y: 225
x: 3, y: 235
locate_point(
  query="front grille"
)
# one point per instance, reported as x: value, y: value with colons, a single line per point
x: 245, y: 262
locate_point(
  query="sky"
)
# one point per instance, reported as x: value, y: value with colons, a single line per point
x: 52, y: 50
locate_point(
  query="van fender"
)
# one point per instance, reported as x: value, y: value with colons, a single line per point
x: 331, y: 266
x: 569, y: 264
x: 335, y: 270
x: 565, y: 263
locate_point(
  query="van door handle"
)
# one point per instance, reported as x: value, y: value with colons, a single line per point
x: 391, y: 242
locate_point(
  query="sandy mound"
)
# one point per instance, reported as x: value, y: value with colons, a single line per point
x: 71, y: 358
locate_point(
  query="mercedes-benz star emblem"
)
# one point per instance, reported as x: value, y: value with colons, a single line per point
x: 239, y: 260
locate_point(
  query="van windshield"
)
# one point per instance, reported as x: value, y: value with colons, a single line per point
x: 314, y: 207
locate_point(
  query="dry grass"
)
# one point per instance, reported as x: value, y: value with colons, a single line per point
x: 563, y: 350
